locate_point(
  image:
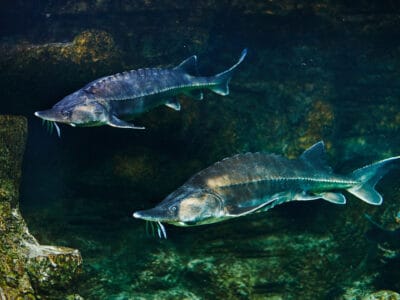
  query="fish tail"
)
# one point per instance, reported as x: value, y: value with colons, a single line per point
x: 368, y: 177
x: 221, y: 81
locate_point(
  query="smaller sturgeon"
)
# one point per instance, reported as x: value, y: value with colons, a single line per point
x: 115, y: 99
x: 256, y: 182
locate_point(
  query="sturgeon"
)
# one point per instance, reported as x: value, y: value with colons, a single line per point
x: 113, y: 100
x: 256, y: 182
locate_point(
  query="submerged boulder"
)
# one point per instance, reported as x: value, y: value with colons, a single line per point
x: 27, y: 269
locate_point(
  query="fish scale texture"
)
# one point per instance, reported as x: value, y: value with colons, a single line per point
x: 248, y: 181
x: 253, y: 167
x: 137, y: 83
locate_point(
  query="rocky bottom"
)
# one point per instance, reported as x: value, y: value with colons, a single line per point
x: 296, y: 251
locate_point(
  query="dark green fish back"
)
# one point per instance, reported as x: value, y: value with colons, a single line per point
x: 250, y: 167
x: 137, y: 83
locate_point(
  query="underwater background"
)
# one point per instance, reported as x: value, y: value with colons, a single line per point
x: 316, y: 70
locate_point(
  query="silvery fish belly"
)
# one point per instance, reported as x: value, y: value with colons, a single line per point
x: 256, y: 182
x: 113, y: 100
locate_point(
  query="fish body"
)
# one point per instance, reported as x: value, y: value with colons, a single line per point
x: 256, y: 182
x: 113, y: 100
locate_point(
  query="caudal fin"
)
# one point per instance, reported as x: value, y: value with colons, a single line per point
x: 368, y: 177
x: 221, y: 81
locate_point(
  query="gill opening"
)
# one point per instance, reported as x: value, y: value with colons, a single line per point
x: 221, y: 201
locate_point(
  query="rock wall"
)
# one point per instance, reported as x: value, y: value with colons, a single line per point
x: 27, y: 269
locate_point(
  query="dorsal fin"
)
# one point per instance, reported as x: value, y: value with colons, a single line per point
x: 316, y: 157
x: 188, y: 66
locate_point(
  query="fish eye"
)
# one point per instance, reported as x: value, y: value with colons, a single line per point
x: 173, y: 208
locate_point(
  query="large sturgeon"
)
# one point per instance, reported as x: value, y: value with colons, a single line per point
x: 256, y: 182
x: 113, y: 100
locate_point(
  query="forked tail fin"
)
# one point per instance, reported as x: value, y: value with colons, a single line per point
x: 368, y: 177
x: 221, y: 80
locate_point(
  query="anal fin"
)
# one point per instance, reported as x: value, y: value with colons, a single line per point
x: 118, y: 123
x: 238, y: 211
x: 336, y: 198
x: 304, y: 196
x: 195, y: 94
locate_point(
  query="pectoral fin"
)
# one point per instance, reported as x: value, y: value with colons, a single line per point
x: 174, y: 104
x: 242, y: 210
x: 118, y: 123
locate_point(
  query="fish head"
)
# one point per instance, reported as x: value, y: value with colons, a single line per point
x: 185, y: 208
x: 76, y: 109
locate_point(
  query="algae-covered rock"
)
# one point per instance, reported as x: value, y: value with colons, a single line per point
x: 54, y: 67
x: 383, y: 295
x: 51, y: 267
x: 27, y: 269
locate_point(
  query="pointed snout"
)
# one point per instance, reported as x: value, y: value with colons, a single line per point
x: 137, y: 215
x: 154, y: 214
x: 146, y: 215
x: 48, y: 115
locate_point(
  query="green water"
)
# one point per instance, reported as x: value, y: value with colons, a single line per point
x: 321, y: 71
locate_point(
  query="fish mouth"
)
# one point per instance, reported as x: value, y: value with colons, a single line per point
x: 49, y: 122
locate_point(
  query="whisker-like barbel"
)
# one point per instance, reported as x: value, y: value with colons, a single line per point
x: 57, y: 129
x: 153, y: 233
x: 147, y: 228
x: 159, y: 231
x: 164, y: 232
x: 50, y: 127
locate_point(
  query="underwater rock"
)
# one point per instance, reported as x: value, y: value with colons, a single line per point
x: 161, y: 272
x: 333, y: 9
x: 365, y: 292
x: 26, y: 268
x: 386, y: 251
x: 229, y: 279
x: 90, y: 54
x: 383, y: 295
x: 52, y: 267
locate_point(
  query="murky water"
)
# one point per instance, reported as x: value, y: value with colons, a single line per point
x: 324, y: 72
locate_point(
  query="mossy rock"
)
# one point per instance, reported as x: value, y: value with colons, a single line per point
x: 26, y: 268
